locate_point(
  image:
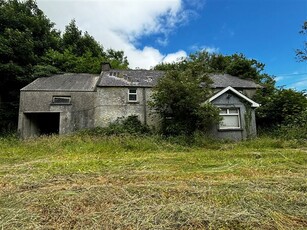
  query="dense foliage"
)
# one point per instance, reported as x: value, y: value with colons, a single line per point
x: 80, y: 53
x: 180, y: 97
x: 179, y: 93
x: 236, y: 64
x: 25, y: 36
x: 282, y: 107
x: 30, y: 47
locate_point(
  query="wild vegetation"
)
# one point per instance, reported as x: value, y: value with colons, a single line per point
x: 146, y: 182
x: 179, y: 96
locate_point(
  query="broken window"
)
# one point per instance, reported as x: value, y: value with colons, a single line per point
x: 62, y: 100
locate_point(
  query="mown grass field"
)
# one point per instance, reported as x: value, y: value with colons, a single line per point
x: 87, y: 182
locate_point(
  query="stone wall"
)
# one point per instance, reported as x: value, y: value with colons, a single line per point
x: 112, y: 103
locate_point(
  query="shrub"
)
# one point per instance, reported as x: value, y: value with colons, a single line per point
x: 283, y: 107
x: 122, y: 125
x: 295, y: 127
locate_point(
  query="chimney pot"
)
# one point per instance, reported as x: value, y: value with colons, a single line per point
x: 105, y: 66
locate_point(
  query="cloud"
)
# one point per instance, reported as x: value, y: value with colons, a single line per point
x: 119, y: 24
x: 300, y: 84
x: 175, y: 57
x: 295, y: 80
x: 279, y: 78
x: 209, y: 49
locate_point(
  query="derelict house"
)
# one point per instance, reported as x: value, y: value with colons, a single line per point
x: 68, y: 102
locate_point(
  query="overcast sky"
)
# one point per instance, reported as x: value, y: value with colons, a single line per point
x: 152, y: 31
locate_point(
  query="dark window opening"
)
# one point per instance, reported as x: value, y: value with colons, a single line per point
x: 62, y: 100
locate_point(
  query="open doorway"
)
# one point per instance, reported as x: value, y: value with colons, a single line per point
x: 43, y: 123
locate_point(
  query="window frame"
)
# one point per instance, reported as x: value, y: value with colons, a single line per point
x: 132, y: 94
x: 230, y: 114
x: 62, y: 97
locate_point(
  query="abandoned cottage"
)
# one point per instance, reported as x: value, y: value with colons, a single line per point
x: 68, y: 102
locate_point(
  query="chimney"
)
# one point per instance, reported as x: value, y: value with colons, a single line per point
x: 105, y: 66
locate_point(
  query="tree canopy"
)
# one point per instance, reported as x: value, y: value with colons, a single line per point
x: 236, y: 64
x: 79, y: 52
x: 25, y: 36
x: 180, y: 95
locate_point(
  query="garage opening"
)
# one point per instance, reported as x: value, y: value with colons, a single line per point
x: 43, y: 123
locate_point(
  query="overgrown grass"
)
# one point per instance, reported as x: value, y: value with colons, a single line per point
x: 146, y: 182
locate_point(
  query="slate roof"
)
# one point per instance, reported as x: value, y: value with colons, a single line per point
x: 140, y: 78
x: 225, y: 80
x: 64, y: 82
x: 122, y: 78
x: 149, y: 78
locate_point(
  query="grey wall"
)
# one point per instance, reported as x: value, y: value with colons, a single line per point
x: 112, y: 103
x: 93, y: 109
x: 79, y: 114
x: 247, y: 118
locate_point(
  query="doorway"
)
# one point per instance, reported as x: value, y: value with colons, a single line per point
x: 43, y: 123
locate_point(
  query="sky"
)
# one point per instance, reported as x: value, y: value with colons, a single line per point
x: 154, y: 31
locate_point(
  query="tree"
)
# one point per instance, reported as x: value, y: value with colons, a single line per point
x: 80, y: 43
x: 117, y: 59
x: 281, y: 107
x: 301, y: 54
x: 236, y: 64
x: 180, y: 95
x: 80, y: 52
x: 25, y: 35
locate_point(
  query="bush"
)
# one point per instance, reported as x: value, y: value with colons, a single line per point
x: 284, y: 107
x: 179, y: 99
x: 123, y: 125
x: 295, y: 127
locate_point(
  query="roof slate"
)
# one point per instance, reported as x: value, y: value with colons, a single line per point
x: 140, y: 78
x: 149, y: 78
x: 64, y: 82
x: 225, y: 80
x: 122, y: 78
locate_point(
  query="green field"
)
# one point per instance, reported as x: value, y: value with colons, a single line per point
x: 128, y: 182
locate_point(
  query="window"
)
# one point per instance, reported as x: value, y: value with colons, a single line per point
x: 61, y: 100
x: 231, y: 118
x: 132, y: 95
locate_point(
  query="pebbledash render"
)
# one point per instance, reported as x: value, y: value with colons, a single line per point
x: 65, y: 103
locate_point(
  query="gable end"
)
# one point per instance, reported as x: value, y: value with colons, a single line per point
x: 229, y: 88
